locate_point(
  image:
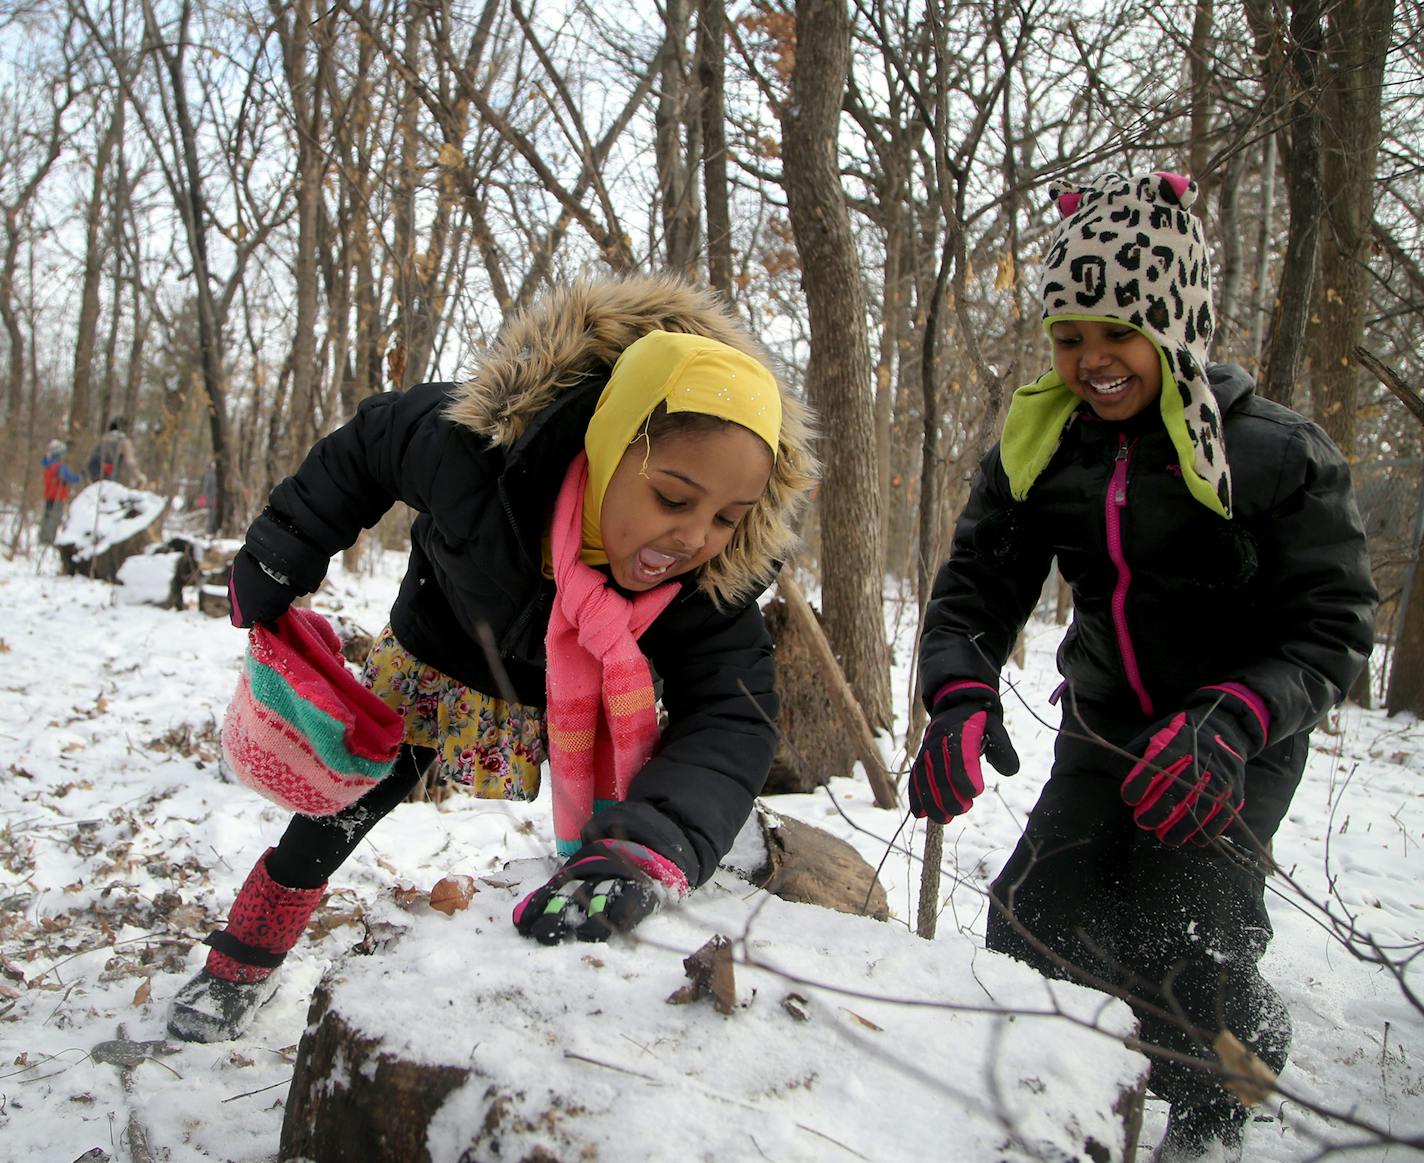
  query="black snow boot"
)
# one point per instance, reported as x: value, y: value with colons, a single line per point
x: 1209, y: 1133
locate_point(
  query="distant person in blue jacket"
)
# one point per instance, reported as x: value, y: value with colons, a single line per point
x: 58, y: 476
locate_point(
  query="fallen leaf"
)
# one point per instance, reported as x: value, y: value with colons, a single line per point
x: 1253, y: 1080
x: 709, y: 970
x: 452, y: 894
x: 407, y: 897
x: 795, y: 1005
x: 141, y: 994
x: 866, y: 1022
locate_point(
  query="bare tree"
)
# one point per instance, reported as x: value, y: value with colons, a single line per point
x: 838, y: 373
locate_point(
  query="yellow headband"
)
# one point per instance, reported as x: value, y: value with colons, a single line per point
x: 691, y: 374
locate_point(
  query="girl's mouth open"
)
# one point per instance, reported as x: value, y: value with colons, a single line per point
x: 651, y: 566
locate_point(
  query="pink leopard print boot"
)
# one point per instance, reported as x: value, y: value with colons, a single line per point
x: 265, y: 922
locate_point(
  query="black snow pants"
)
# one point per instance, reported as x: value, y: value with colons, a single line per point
x: 313, y: 847
x: 1179, y: 929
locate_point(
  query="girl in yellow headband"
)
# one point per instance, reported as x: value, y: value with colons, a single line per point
x: 603, y: 500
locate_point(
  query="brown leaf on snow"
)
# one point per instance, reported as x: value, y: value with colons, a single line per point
x: 452, y: 894
x: 142, y: 993
x: 407, y: 897
x: 709, y: 970
x: 1255, y: 1081
x: 4, y: 646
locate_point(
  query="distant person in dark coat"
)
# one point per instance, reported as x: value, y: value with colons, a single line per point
x: 113, y: 458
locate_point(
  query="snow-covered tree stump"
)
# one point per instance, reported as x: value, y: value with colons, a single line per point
x: 105, y: 526
x: 461, y: 1041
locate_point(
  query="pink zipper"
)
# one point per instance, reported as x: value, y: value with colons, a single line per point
x: 1116, y: 502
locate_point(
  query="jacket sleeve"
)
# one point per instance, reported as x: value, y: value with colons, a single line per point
x: 985, y: 592
x: 389, y: 451
x: 1321, y: 597
x: 692, y: 798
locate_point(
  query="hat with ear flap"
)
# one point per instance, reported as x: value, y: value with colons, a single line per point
x: 1130, y: 249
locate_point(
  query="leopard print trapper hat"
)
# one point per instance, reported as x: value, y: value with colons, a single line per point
x: 1129, y: 248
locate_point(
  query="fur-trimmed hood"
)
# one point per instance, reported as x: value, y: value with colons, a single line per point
x: 580, y: 330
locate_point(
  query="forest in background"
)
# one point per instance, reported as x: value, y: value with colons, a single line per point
x: 230, y: 223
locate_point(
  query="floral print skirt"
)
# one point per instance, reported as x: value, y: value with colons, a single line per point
x: 493, y: 747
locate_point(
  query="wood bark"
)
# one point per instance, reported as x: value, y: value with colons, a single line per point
x: 86, y: 333
x: 1357, y: 40
x: 711, y: 76
x: 678, y: 204
x: 1285, y: 345
x: 838, y: 373
x: 840, y: 691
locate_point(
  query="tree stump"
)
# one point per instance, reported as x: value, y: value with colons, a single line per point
x: 462, y: 1042
x: 813, y: 743
x: 106, y: 525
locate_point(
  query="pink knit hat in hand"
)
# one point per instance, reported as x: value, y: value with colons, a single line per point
x: 301, y: 729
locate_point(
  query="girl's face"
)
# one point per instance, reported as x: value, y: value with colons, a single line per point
x: 673, y: 507
x: 1112, y: 366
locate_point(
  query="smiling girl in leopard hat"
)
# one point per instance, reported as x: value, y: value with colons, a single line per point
x: 1222, y: 603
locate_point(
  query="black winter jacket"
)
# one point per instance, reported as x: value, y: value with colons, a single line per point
x: 475, y: 605
x: 1168, y: 596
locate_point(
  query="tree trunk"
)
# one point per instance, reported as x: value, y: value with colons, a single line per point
x: 838, y: 373
x: 306, y: 86
x: 1286, y: 342
x: 85, y: 340
x: 677, y: 187
x: 711, y: 70
x: 1357, y: 41
x: 1406, y: 672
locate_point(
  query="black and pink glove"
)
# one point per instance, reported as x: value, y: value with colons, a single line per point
x: 255, y: 593
x: 968, y: 721
x: 606, y: 887
x: 276, y: 566
x: 1189, y: 782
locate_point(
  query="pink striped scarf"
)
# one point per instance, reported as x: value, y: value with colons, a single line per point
x: 602, y: 722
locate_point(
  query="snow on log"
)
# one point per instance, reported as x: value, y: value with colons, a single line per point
x: 461, y: 1041
x: 107, y: 524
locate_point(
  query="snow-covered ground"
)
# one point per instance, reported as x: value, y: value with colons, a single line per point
x: 121, y: 845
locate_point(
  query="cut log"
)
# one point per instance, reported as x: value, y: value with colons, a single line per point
x: 461, y: 1042
x: 805, y: 864
x: 106, y: 525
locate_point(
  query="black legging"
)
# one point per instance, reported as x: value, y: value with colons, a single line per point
x: 1179, y: 928
x: 313, y: 847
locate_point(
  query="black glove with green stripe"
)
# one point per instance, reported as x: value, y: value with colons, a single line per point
x: 606, y: 887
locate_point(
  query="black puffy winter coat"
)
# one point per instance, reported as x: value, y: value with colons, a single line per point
x: 481, y: 463
x: 1167, y: 595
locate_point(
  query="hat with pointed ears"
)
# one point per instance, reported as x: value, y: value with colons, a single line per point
x: 1130, y: 249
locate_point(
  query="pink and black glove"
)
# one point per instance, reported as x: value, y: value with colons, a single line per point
x: 968, y: 721
x: 606, y: 887
x: 1189, y: 782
